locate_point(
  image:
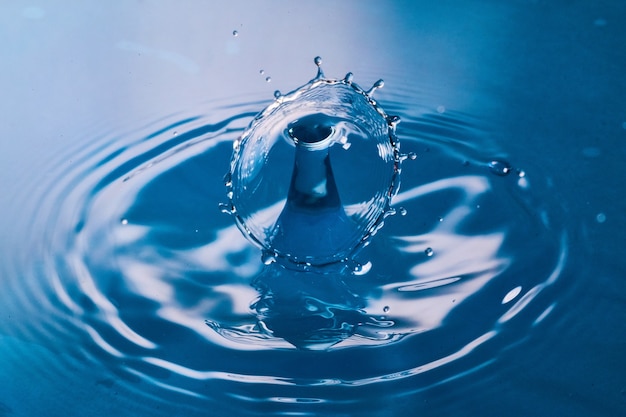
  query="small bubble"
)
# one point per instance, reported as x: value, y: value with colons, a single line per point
x: 124, y: 221
x: 235, y: 33
x: 440, y: 219
x: 385, y: 309
x: 429, y: 252
x: 402, y: 211
x: 318, y: 60
x: 196, y: 230
x: 601, y: 218
x: 268, y: 79
x: 521, y: 173
x: 500, y: 168
x: 441, y: 109
x: 412, y: 156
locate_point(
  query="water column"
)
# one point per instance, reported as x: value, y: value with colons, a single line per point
x: 313, y: 226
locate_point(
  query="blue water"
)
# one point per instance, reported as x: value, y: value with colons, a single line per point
x: 498, y: 292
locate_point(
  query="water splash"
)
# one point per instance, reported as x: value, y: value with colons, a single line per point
x: 137, y: 258
x: 364, y: 153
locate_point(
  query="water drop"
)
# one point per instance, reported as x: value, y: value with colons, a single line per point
x: 261, y: 72
x: 500, y: 168
x: 268, y: 258
x: 175, y: 133
x: 268, y: 79
x: 441, y: 109
x: 362, y: 269
x: 521, y: 173
x: 393, y: 120
x: 226, y: 208
x: 429, y: 252
x: 124, y: 221
x: 318, y: 60
x: 349, y: 77
x: 412, y: 156
x: 601, y: 218
x: 385, y: 309
x: 277, y: 94
x: 440, y: 219
x: 378, y: 84
x: 402, y: 211
x: 235, y: 33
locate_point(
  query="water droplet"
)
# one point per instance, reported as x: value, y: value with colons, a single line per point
x: 124, y: 221
x: 402, y: 211
x: 429, y: 252
x: 393, y: 121
x: 440, y: 219
x: 378, y: 84
x: 268, y: 79
x: 362, y: 269
x: 261, y: 72
x: 175, y: 133
x: 235, y: 33
x: 521, y: 173
x: 441, y: 109
x: 601, y: 218
x: 349, y: 77
x: 318, y: 60
x: 412, y: 156
x: 277, y: 94
x: 500, y: 168
x: 385, y: 309
x: 268, y: 258
x: 226, y: 208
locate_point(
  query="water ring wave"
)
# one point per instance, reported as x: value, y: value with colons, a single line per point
x: 136, y: 256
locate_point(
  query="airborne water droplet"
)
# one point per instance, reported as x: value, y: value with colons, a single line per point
x: 429, y: 252
x: 318, y: 60
x: 385, y: 309
x: 412, y: 156
x: 124, y: 221
x: 261, y: 72
x: 268, y: 79
x: 500, y: 168
x: 402, y: 211
x: 235, y: 33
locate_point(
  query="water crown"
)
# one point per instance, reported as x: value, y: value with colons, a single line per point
x: 312, y: 176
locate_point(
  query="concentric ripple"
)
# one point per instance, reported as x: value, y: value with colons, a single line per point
x: 137, y: 258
